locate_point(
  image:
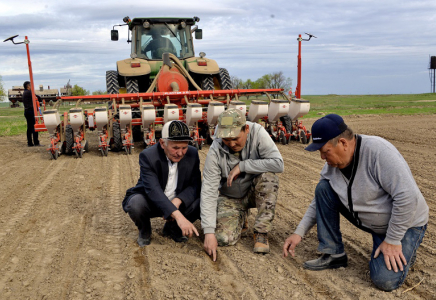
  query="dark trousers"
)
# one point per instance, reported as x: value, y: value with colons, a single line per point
x: 141, y: 210
x: 30, y: 118
x: 328, y: 208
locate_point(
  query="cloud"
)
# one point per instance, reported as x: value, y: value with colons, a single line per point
x: 363, y: 46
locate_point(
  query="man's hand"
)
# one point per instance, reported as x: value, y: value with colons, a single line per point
x: 234, y: 173
x: 393, y: 255
x: 187, y: 227
x: 290, y: 244
x: 210, y: 245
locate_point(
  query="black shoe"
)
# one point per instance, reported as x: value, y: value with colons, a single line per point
x: 172, y: 230
x: 30, y: 145
x: 326, y: 261
x: 143, y: 241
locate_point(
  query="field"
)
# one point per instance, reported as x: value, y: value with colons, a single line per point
x: 63, y: 234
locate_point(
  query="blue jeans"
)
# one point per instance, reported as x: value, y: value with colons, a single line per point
x: 328, y: 208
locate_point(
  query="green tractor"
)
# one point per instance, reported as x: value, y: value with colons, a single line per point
x: 150, y: 38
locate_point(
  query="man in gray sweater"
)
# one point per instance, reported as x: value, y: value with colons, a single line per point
x: 239, y: 173
x: 366, y: 180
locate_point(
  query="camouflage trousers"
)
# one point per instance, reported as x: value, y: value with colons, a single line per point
x: 233, y: 212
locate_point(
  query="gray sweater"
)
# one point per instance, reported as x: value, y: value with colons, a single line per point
x: 384, y: 194
x: 259, y: 155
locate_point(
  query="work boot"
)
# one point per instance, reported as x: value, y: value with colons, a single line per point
x: 172, y: 230
x: 143, y: 241
x: 326, y: 261
x: 245, y: 226
x: 261, y: 243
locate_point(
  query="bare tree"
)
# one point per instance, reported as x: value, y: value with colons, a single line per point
x: 278, y: 81
x: 236, y: 82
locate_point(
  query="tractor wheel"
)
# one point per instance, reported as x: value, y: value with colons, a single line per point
x: 69, y: 138
x: 226, y: 83
x: 80, y: 153
x: 86, y: 148
x: 136, y: 133
x: 54, y: 155
x: 196, y: 145
x: 112, y: 84
x: 118, y: 143
x: 303, y: 138
x: 200, y: 144
x: 132, y: 85
x: 286, y: 120
x: 282, y: 138
x: 308, y: 139
x: 207, y: 83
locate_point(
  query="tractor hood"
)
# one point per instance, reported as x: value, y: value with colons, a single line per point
x: 133, y: 67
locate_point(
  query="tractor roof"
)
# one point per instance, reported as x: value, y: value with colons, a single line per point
x: 140, y: 21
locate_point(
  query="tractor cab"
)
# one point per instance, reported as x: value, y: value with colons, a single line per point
x: 152, y: 42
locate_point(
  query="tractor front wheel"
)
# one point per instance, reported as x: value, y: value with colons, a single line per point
x: 132, y: 85
x: 118, y: 143
x: 207, y: 83
x: 69, y: 139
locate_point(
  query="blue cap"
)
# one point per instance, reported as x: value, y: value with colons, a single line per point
x: 325, y: 129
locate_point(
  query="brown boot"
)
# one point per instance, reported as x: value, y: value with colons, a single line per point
x: 261, y: 243
x: 245, y: 226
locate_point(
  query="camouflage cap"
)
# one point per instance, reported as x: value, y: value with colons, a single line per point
x: 230, y: 123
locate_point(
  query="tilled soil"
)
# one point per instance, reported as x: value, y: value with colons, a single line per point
x: 64, y: 235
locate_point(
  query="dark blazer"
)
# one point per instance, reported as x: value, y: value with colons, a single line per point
x: 27, y: 99
x: 154, y: 176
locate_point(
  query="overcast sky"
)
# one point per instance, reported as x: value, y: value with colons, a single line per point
x: 363, y: 46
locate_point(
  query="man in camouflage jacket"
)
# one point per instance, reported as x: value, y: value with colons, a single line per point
x: 239, y: 173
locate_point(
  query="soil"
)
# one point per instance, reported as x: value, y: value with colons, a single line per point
x: 64, y: 235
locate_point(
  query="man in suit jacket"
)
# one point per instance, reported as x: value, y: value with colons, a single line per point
x: 168, y: 186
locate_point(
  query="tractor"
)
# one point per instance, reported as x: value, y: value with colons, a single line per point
x: 150, y: 39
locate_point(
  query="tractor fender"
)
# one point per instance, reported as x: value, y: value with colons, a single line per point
x: 210, y: 68
x: 125, y: 67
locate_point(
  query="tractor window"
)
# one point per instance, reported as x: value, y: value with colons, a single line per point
x: 152, y: 42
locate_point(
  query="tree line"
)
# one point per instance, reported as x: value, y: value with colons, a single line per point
x: 275, y: 80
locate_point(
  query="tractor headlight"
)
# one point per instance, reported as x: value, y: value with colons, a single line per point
x: 202, y: 54
x: 183, y: 24
x: 146, y: 24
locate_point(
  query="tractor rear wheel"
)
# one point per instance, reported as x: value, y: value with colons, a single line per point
x: 69, y: 139
x: 112, y: 84
x: 132, y: 85
x: 308, y: 139
x: 225, y: 81
x: 207, y: 83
